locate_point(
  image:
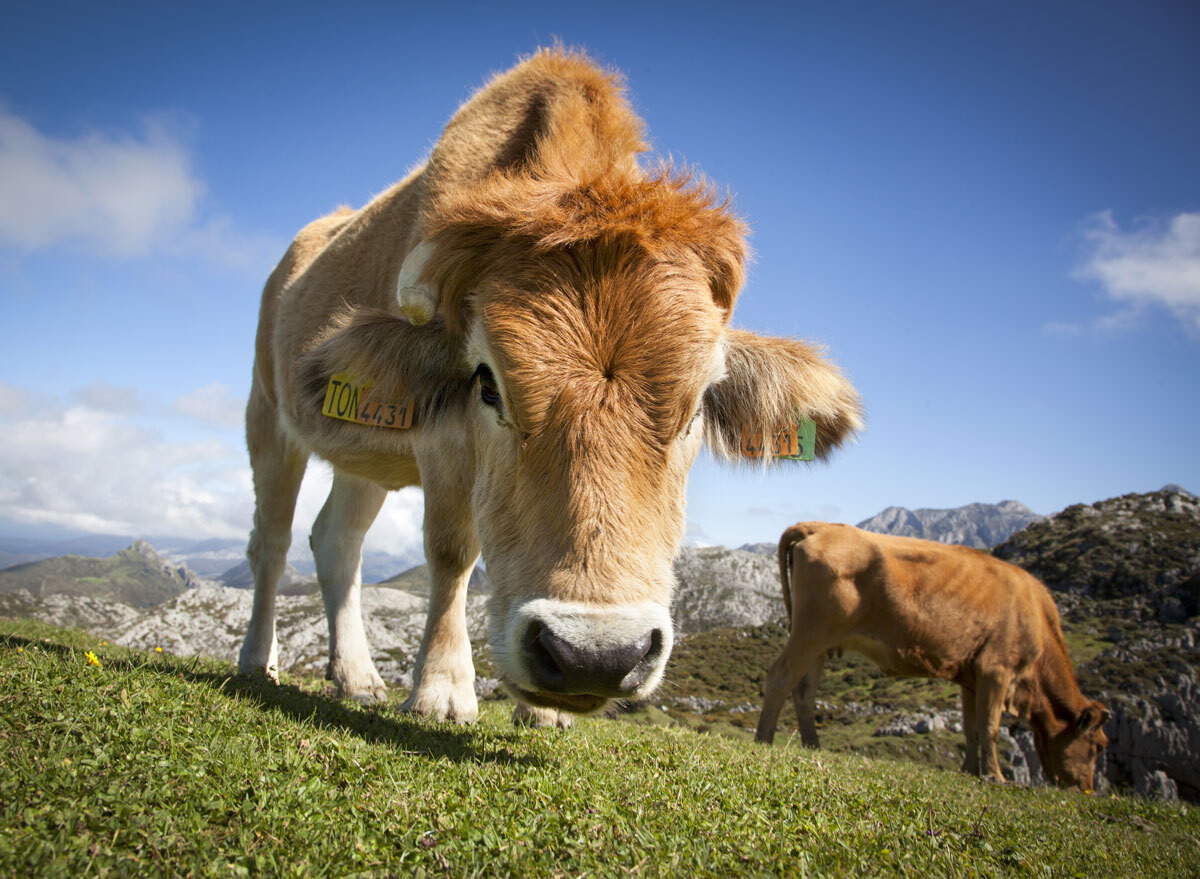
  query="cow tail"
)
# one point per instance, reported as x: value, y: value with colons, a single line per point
x: 789, y: 539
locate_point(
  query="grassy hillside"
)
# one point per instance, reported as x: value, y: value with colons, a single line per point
x: 135, y: 577
x: 145, y: 764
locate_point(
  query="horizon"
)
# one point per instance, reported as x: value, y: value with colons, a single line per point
x: 990, y: 218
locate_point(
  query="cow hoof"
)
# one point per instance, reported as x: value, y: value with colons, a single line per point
x: 367, y: 698
x: 256, y: 670
x: 443, y: 701
x: 525, y: 714
x: 364, y: 686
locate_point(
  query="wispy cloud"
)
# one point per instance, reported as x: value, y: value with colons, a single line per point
x: 1153, y: 264
x: 213, y: 403
x: 104, y: 397
x: 101, y: 461
x: 121, y: 196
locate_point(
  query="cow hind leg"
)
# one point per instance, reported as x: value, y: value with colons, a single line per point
x: 278, y: 469
x: 785, y: 675
x: 525, y: 714
x: 337, y: 539
x: 989, y: 704
x: 444, y: 675
x: 804, y: 698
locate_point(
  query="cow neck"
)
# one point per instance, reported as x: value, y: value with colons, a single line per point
x: 1059, y: 699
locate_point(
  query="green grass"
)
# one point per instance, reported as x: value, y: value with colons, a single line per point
x: 152, y: 765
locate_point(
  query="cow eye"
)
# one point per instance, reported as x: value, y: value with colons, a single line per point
x: 488, y: 392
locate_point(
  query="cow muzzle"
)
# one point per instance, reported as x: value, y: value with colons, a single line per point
x: 576, y: 657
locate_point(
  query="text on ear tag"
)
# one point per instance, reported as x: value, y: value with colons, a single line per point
x: 348, y: 399
x: 796, y: 442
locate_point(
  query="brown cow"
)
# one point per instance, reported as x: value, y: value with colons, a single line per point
x: 534, y: 328
x: 922, y: 609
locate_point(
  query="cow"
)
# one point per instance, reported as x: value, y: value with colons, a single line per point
x: 533, y: 326
x: 917, y: 608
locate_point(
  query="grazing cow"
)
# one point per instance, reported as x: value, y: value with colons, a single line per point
x: 533, y: 327
x: 922, y: 609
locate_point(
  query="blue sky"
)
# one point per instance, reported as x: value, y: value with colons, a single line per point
x: 990, y: 214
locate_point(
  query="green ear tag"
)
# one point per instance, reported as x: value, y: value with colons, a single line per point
x: 806, y: 441
x: 796, y: 442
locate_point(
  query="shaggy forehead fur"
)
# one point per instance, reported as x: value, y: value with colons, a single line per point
x: 598, y: 329
x: 574, y: 182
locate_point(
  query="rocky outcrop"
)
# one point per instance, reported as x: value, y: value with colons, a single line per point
x: 1136, y: 544
x: 978, y: 525
x: 1154, y: 732
x: 210, y: 620
x: 721, y: 588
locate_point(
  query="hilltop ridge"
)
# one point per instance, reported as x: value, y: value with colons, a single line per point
x: 979, y: 525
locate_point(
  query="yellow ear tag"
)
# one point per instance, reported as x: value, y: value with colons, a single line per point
x: 796, y: 442
x: 350, y: 400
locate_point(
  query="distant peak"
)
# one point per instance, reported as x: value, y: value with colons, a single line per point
x: 143, y: 548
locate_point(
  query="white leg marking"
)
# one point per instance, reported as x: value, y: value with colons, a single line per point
x: 337, y: 540
x: 278, y: 470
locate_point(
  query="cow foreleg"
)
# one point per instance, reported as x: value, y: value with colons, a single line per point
x: 989, y: 704
x: 444, y: 675
x: 804, y: 698
x: 278, y: 471
x: 337, y: 539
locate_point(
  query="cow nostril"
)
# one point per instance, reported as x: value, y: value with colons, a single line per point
x: 542, y: 662
x: 648, y: 653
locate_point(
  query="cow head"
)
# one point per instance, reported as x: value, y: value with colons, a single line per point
x: 1069, y: 758
x: 593, y: 322
x: 574, y: 339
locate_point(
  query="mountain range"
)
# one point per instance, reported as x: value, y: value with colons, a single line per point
x: 979, y: 525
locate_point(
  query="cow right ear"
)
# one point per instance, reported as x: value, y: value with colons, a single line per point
x: 771, y: 384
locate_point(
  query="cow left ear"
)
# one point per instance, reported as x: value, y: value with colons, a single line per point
x: 1094, y: 716
x: 770, y: 385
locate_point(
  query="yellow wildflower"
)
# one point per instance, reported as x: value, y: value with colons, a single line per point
x: 158, y: 650
x: 91, y: 658
x: 20, y: 650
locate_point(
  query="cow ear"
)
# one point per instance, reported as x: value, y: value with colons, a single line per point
x: 769, y: 385
x: 722, y: 252
x: 419, y: 366
x: 1093, y: 716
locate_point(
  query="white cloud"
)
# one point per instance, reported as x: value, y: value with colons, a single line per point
x: 116, y: 195
x: 1153, y: 264
x: 398, y: 529
x: 13, y: 400
x: 83, y: 468
x: 213, y: 403
x: 104, y: 397
x: 92, y: 464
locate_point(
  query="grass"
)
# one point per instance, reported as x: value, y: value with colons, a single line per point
x: 152, y: 765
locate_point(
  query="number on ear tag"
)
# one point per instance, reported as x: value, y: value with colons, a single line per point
x: 348, y: 399
x: 796, y: 442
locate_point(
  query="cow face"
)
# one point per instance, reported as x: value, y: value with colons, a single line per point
x: 590, y: 366
x: 579, y: 370
x: 598, y: 369
x: 1070, y: 757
